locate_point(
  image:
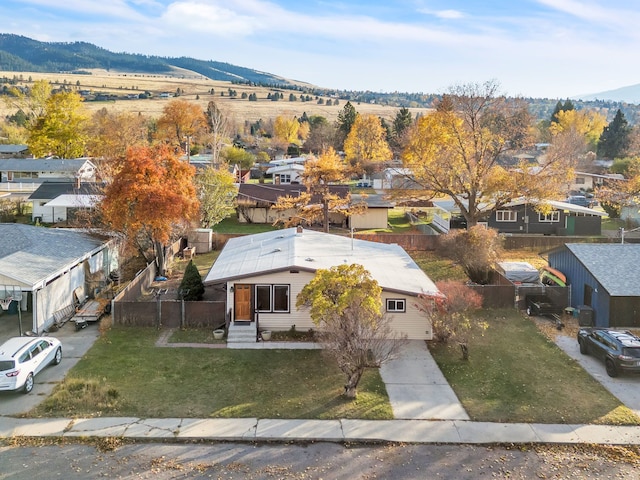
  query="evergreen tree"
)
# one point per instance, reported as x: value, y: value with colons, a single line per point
x: 401, y: 122
x: 191, y: 285
x: 560, y: 107
x: 346, y: 118
x: 615, y: 138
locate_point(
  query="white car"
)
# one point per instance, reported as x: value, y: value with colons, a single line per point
x: 22, y: 358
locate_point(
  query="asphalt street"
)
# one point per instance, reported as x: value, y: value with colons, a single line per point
x: 315, y: 461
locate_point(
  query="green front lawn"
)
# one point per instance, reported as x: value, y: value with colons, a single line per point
x: 516, y: 374
x: 232, y: 225
x: 125, y: 374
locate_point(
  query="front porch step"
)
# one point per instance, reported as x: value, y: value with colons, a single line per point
x: 242, y: 333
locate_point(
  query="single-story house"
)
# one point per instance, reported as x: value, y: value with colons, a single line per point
x: 395, y: 178
x: 564, y: 219
x: 59, y: 201
x: 605, y: 277
x: 256, y: 201
x: 288, y: 173
x: 264, y: 273
x: 39, y: 170
x: 13, y: 151
x: 54, y: 268
x: 587, y: 182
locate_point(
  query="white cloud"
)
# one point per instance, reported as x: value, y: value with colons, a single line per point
x: 445, y: 14
x: 210, y: 18
x: 602, y: 14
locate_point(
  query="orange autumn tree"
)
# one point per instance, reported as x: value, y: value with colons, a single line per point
x: 151, y: 199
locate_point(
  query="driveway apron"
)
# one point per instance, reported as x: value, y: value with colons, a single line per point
x: 416, y: 387
x: 625, y: 388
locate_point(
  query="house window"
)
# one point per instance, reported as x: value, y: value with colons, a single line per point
x: 263, y: 298
x: 580, y: 181
x: 552, y: 217
x: 396, y: 305
x: 506, y: 216
x: 281, y: 298
x: 272, y: 298
x: 285, y: 178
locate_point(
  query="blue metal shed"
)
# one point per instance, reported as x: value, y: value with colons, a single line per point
x: 605, y: 277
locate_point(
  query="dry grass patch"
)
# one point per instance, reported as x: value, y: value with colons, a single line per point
x: 196, y: 89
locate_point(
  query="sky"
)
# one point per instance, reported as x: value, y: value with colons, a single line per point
x: 532, y: 48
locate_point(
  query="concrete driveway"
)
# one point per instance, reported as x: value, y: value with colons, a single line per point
x: 74, y: 346
x: 625, y: 387
x: 417, y: 388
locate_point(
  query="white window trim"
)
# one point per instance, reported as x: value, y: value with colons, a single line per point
x: 553, y: 217
x: 512, y: 216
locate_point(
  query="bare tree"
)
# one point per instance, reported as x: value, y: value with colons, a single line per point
x: 219, y: 129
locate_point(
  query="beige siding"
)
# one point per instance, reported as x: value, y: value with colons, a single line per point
x: 4, y: 280
x: 371, y: 218
x: 282, y: 321
x: 411, y: 322
x: 264, y: 215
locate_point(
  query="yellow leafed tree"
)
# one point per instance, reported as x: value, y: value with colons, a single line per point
x: 584, y: 122
x: 366, y: 142
x: 455, y: 151
x: 286, y: 129
x: 322, y: 196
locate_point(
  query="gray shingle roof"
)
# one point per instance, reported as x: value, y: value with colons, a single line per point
x: 51, y: 190
x: 13, y: 148
x: 42, y: 164
x: 30, y: 254
x: 615, y: 266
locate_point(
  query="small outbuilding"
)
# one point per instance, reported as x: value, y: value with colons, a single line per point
x: 604, y: 279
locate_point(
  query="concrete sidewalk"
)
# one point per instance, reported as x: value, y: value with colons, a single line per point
x: 255, y: 430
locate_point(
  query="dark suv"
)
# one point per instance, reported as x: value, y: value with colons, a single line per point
x: 620, y: 351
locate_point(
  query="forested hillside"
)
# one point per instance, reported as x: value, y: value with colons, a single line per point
x: 22, y: 54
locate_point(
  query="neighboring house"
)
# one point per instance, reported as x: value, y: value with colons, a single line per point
x: 564, y: 219
x: 13, y: 151
x: 604, y: 277
x: 54, y: 268
x: 28, y: 172
x: 264, y: 273
x: 288, y: 173
x: 256, y: 201
x: 395, y: 178
x: 59, y: 201
x: 240, y: 176
x: 587, y: 182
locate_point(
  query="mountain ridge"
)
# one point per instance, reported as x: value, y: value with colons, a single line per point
x: 20, y: 53
x: 628, y: 94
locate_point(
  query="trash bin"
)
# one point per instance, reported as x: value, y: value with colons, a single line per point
x: 585, y: 316
x: 13, y: 308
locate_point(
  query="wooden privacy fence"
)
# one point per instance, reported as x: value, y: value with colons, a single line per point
x: 514, y: 296
x: 169, y: 313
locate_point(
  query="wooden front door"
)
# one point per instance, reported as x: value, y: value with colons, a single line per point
x: 242, y: 302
